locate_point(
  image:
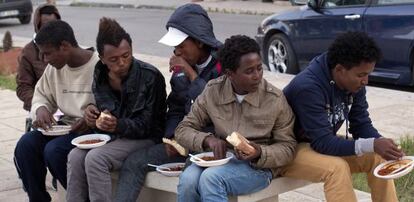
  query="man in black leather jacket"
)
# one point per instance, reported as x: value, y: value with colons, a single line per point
x: 133, y: 94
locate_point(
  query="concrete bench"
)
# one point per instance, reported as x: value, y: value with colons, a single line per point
x: 159, y: 188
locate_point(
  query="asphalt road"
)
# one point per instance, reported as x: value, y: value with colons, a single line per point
x: 146, y: 26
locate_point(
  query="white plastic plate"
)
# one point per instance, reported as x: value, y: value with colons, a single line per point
x: 56, y: 130
x: 170, y: 173
x: 395, y: 175
x: 229, y: 155
x: 77, y: 141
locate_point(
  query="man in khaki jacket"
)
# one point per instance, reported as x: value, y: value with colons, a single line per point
x: 240, y: 101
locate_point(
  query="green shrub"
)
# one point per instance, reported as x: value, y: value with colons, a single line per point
x: 8, y: 82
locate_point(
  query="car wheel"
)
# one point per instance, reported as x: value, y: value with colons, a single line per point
x: 25, y: 19
x: 279, y: 55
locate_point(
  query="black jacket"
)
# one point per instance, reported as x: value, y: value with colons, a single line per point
x: 140, y: 109
x: 184, y: 92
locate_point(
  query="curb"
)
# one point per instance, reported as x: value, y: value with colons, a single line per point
x: 145, y: 6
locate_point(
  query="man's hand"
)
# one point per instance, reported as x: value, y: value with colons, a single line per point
x: 80, y: 127
x: 171, y: 151
x: 252, y: 157
x: 387, y: 149
x: 218, y: 146
x: 44, y: 119
x: 108, y: 124
x: 178, y: 63
x: 91, y: 114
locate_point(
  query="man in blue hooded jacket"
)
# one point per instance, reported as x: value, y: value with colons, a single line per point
x: 329, y: 92
x: 193, y: 64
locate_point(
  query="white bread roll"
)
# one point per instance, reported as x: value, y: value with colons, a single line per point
x: 240, y: 143
x: 102, y: 116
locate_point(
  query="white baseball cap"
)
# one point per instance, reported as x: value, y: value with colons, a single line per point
x: 173, y: 37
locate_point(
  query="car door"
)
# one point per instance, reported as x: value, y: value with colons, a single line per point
x: 391, y: 24
x: 319, y: 26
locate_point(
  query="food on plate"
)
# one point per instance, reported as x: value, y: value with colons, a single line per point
x: 175, y: 168
x: 209, y: 158
x: 181, y: 150
x: 390, y: 167
x: 91, y: 141
x: 240, y: 143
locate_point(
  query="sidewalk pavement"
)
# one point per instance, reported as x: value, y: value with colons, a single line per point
x: 256, y: 7
x: 392, y: 111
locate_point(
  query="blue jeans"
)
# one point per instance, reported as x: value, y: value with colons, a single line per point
x: 135, y: 168
x: 216, y: 183
x: 33, y: 153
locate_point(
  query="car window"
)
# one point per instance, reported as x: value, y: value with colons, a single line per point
x: 337, y: 3
x: 386, y: 2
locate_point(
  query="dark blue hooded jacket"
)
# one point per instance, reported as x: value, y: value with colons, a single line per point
x: 193, y: 20
x: 321, y: 108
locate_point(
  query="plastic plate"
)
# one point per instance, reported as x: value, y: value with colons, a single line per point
x: 171, y: 173
x: 81, y: 144
x: 229, y: 155
x: 395, y: 175
x: 56, y: 130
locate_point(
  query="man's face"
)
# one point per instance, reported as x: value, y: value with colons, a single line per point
x: 189, y: 50
x: 247, y: 77
x: 352, y: 80
x: 57, y: 57
x: 45, y: 18
x: 118, y: 59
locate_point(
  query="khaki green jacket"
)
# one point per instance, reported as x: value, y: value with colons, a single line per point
x: 263, y: 117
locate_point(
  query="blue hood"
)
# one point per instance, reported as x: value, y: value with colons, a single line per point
x: 193, y: 20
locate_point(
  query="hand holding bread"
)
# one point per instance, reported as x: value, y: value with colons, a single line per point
x: 245, y: 150
x: 240, y: 143
x: 106, y: 121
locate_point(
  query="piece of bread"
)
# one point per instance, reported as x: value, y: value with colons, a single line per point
x: 102, y: 116
x: 181, y: 150
x: 240, y: 143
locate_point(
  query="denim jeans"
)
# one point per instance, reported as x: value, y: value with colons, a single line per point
x: 214, y: 184
x: 135, y: 168
x: 33, y: 153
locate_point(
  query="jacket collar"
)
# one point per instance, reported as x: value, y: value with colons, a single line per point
x: 102, y: 75
x: 228, y: 95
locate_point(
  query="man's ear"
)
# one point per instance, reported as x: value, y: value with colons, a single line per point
x: 200, y: 44
x: 229, y: 74
x: 339, y: 68
x: 64, y: 45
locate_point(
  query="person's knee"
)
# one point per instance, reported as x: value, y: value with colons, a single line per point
x: 51, y: 153
x: 210, y: 177
x: 76, y: 157
x: 187, y: 181
x: 94, y: 160
x: 339, y: 167
x: 26, y: 144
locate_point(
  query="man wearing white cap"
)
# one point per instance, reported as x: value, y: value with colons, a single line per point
x: 193, y: 64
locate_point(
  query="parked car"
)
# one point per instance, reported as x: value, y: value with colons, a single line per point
x: 21, y: 9
x: 290, y: 40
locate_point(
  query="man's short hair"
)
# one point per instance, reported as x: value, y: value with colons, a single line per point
x: 54, y: 33
x: 234, y: 48
x: 352, y: 48
x: 110, y: 33
x: 48, y: 10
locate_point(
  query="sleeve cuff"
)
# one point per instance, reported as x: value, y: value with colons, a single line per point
x: 363, y: 146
